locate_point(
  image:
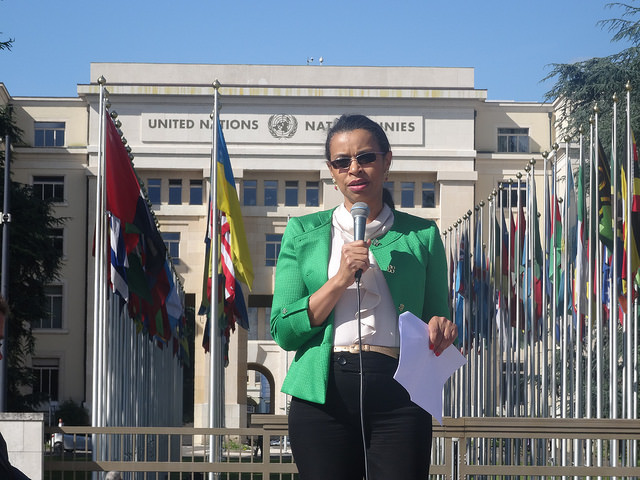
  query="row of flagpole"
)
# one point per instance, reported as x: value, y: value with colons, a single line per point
x: 125, y: 396
x: 137, y: 381
x: 540, y: 311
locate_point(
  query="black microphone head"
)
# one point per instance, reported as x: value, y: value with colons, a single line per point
x: 360, y: 209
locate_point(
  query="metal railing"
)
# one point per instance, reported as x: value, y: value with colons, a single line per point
x: 462, y: 448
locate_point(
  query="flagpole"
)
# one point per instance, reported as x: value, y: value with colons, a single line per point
x: 630, y: 317
x: 98, y: 288
x: 532, y: 312
x: 479, y: 318
x: 630, y: 280
x: 500, y: 327
x: 577, y: 296
x: 554, y: 291
x: 495, y: 282
x: 215, y: 380
x: 518, y: 260
x: 526, y: 293
x: 590, y: 282
x: 459, y: 321
x: 544, y: 412
x: 613, y: 312
x: 598, y: 276
x: 509, y: 329
x: 467, y: 315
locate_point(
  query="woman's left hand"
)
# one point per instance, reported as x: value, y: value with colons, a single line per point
x: 442, y: 333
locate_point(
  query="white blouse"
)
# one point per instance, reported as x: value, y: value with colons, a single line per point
x: 378, y: 314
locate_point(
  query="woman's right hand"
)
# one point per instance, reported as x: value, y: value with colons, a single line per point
x: 355, y: 256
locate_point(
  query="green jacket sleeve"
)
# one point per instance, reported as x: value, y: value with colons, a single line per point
x: 290, y: 325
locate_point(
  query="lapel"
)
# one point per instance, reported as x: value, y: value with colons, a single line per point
x: 312, y: 249
x: 403, y: 270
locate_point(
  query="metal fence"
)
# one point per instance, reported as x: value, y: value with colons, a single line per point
x: 462, y: 448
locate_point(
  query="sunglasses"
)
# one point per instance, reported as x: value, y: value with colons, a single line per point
x: 343, y: 163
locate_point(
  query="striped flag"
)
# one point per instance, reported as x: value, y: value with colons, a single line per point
x: 235, y: 258
x: 579, y: 282
x: 605, y: 227
x: 635, y: 215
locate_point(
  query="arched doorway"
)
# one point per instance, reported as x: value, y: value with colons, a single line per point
x: 260, y: 388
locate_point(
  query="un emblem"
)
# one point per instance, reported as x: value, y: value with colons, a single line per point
x: 282, y: 125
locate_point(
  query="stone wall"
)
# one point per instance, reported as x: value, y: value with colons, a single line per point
x: 24, y: 434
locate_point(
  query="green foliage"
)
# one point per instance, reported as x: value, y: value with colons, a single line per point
x: 72, y: 413
x: 8, y: 127
x: 32, y: 265
x: 6, y: 44
x: 584, y: 84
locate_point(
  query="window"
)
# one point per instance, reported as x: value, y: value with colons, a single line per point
x: 406, y: 198
x: 46, y: 377
x: 504, y: 195
x: 57, y: 239
x: 49, y: 134
x: 313, y: 194
x: 428, y: 195
x: 154, y: 190
x: 513, y: 140
x: 195, y: 192
x: 175, y: 191
x: 291, y: 193
x: 49, y: 188
x: 272, y: 249
x: 250, y: 189
x: 172, y: 241
x: 271, y: 193
x: 53, y: 305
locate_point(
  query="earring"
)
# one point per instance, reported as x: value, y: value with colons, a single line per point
x: 335, y: 186
x: 386, y: 175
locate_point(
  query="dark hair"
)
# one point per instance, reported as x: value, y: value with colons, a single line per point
x: 349, y: 122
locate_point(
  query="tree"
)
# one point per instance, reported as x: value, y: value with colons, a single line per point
x: 33, y: 264
x: 582, y: 85
x: 6, y: 44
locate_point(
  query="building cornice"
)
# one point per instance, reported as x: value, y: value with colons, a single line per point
x: 260, y: 91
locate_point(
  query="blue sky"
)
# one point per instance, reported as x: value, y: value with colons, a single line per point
x: 510, y: 43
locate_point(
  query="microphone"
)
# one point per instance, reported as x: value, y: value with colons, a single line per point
x: 360, y: 213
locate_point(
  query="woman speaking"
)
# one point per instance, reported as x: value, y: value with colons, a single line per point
x: 348, y: 417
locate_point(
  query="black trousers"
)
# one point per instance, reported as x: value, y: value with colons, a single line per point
x: 326, y: 440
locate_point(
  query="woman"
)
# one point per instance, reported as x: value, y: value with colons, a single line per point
x: 403, y: 268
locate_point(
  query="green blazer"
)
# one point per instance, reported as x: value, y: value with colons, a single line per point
x: 412, y: 258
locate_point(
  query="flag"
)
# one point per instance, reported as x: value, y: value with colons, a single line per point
x: 571, y: 226
x: 536, y: 261
x: 235, y: 258
x: 634, y: 204
x: 605, y: 221
x: 138, y: 252
x: 460, y: 283
x: 125, y: 200
x: 579, y: 282
x: 555, y: 266
x: 229, y: 204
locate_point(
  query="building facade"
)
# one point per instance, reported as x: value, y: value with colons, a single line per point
x: 450, y: 148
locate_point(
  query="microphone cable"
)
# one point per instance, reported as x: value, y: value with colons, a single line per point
x: 361, y: 399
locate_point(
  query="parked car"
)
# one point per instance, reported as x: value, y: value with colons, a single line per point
x: 70, y: 443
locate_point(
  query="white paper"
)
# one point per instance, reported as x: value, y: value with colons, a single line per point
x: 419, y: 370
